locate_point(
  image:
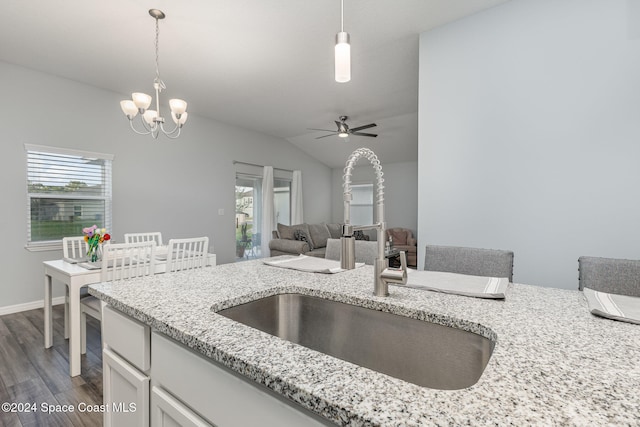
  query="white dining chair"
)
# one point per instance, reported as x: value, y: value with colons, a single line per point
x: 187, y: 254
x: 73, y: 248
x: 155, y: 236
x: 120, y: 261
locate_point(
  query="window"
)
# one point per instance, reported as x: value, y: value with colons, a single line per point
x: 362, y: 204
x: 67, y: 190
x: 282, y: 200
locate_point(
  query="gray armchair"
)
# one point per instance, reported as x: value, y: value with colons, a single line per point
x: 403, y: 241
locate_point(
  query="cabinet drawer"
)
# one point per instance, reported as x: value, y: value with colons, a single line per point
x: 221, y: 396
x: 125, y: 393
x: 127, y: 337
x: 166, y: 411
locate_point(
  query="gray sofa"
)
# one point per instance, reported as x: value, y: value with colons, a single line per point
x: 308, y: 239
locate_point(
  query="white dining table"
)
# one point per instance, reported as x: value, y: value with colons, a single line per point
x: 74, y: 276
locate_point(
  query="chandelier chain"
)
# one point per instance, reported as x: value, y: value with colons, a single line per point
x: 158, y: 80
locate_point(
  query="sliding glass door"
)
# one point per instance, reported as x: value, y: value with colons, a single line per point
x: 249, y: 208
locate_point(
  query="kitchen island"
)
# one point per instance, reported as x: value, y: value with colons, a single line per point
x: 553, y: 363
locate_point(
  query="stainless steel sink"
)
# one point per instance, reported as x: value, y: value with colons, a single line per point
x: 420, y: 352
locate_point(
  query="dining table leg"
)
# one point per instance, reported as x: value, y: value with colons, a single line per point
x: 66, y: 312
x: 74, y: 329
x: 48, y: 317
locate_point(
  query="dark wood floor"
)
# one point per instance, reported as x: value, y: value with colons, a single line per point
x: 31, y: 374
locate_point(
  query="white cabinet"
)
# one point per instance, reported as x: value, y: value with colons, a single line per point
x: 126, y: 358
x: 150, y: 379
x: 125, y: 393
x: 221, y: 396
x: 166, y: 411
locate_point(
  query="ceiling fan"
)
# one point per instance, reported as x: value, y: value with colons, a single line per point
x: 344, y: 130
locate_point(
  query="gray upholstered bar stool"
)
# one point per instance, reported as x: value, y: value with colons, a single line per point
x: 610, y: 275
x: 472, y: 261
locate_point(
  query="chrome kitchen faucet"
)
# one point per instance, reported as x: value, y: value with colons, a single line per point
x: 383, y: 275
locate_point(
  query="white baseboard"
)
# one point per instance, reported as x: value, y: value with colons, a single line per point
x: 28, y: 306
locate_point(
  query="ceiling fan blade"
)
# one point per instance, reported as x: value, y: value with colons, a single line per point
x: 363, y: 134
x: 370, y: 125
x: 323, y: 130
x: 324, y: 136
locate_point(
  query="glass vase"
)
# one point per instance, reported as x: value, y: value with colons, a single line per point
x: 94, y: 253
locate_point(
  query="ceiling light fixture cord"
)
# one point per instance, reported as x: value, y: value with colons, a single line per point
x: 152, y: 121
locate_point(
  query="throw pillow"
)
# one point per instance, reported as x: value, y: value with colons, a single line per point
x: 286, y: 231
x: 335, y: 230
x: 302, y: 235
x: 319, y: 233
x: 359, y: 235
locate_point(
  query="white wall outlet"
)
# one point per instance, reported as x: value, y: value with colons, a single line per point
x: 220, y: 211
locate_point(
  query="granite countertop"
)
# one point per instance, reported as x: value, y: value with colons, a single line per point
x: 554, y: 363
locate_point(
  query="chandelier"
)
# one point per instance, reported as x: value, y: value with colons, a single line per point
x: 152, y: 122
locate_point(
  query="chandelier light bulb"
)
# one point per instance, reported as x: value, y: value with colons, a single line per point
x: 150, y: 116
x: 179, y: 121
x: 129, y: 108
x: 178, y: 106
x: 142, y: 100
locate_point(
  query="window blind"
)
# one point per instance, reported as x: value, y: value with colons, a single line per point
x: 67, y: 191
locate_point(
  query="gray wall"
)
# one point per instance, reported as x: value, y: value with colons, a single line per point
x: 173, y: 186
x: 529, y: 134
x: 400, y: 194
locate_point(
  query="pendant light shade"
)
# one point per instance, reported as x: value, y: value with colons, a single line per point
x: 343, y: 57
x: 342, y: 51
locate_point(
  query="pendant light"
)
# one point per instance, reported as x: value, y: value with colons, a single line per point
x: 342, y: 51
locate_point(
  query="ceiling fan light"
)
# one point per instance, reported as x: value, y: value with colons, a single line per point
x: 342, y: 57
x: 343, y: 134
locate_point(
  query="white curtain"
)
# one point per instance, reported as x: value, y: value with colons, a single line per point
x: 268, y: 216
x: 296, y: 198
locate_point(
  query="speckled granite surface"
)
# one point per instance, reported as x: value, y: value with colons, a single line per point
x: 554, y: 363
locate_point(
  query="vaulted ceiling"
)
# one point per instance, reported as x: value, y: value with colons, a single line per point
x: 265, y: 65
